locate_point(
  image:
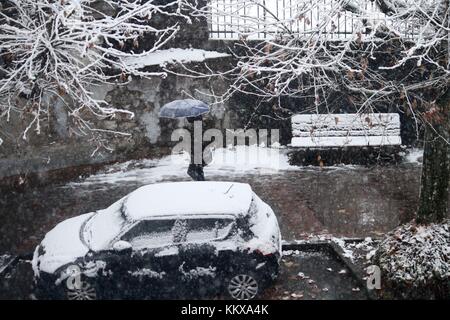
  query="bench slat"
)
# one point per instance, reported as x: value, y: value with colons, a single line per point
x: 338, y: 133
x: 353, y: 126
x: 308, y: 142
x: 346, y: 121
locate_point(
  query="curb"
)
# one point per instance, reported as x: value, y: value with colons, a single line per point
x: 6, y: 267
x: 13, y: 261
x: 357, y: 272
x: 336, y: 250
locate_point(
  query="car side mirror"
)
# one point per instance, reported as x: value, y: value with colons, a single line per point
x: 122, y: 246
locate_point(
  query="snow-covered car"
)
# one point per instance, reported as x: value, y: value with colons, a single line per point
x: 175, y: 239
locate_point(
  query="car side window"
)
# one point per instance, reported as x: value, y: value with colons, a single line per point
x: 150, y: 234
x: 200, y: 230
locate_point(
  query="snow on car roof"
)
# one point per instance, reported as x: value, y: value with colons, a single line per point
x: 186, y: 198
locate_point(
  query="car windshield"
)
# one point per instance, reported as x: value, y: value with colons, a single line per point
x: 103, y: 227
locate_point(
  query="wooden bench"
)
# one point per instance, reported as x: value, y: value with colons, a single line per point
x: 345, y: 138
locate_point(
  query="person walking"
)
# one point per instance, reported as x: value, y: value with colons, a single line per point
x: 195, y: 170
x: 192, y: 110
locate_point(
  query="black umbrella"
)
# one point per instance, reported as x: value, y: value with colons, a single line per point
x: 187, y: 108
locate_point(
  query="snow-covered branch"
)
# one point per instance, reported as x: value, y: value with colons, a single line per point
x: 379, y: 52
x: 64, y: 49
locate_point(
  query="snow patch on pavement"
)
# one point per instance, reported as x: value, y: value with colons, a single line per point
x: 346, y: 252
x: 226, y: 162
x: 238, y: 160
x: 414, y: 156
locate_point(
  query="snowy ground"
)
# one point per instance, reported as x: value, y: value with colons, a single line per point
x: 236, y: 161
x: 227, y: 162
x: 414, y: 156
x: 270, y: 174
x: 309, y: 202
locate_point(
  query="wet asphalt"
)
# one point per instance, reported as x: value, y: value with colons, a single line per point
x: 342, y: 202
x: 345, y: 202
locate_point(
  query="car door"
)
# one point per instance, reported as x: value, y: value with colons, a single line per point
x: 198, y: 253
x: 113, y: 273
x: 154, y: 257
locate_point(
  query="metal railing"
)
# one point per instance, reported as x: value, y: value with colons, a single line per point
x: 260, y: 19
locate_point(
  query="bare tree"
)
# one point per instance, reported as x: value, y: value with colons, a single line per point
x: 65, y: 49
x: 394, y: 53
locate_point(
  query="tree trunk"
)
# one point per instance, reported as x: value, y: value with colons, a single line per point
x: 433, y: 202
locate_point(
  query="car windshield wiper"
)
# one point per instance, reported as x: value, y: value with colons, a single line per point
x: 82, y: 237
x: 232, y: 185
x: 122, y: 210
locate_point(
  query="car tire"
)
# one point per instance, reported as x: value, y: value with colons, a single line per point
x: 242, y: 286
x: 87, y: 291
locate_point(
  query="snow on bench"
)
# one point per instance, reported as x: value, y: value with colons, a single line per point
x: 341, y: 130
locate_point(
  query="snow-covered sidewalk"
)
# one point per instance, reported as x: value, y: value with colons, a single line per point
x: 230, y: 162
x: 227, y: 162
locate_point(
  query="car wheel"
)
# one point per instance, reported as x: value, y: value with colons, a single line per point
x: 243, y: 286
x: 86, y: 292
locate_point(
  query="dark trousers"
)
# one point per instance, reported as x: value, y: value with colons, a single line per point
x: 195, y: 171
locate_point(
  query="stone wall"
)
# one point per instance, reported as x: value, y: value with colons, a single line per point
x: 56, y: 148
